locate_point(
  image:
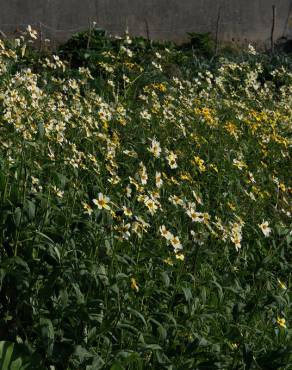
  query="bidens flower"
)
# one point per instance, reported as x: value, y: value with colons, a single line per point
x: 180, y: 256
x: 171, y: 159
x: 281, y: 322
x: 134, y: 285
x: 151, y: 205
x: 165, y: 233
x: 264, y: 226
x: 143, y: 174
x: 102, y: 202
x: 158, y: 180
x: 155, y: 148
x: 87, y: 209
x: 175, y: 242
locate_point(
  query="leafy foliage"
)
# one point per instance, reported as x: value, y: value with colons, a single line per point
x: 145, y: 218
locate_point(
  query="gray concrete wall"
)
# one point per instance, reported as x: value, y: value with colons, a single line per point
x: 240, y: 20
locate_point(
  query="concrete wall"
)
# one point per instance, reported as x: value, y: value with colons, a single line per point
x: 240, y: 20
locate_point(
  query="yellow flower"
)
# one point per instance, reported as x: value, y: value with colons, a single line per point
x: 134, y: 284
x: 231, y: 206
x: 168, y: 261
x: 171, y: 159
x: 127, y: 211
x: 281, y: 284
x: 239, y: 164
x: 200, y: 163
x: 214, y: 167
x: 281, y: 322
x: 185, y: 176
x: 234, y: 345
x: 180, y: 256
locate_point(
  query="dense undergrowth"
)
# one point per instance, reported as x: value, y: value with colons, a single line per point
x: 145, y: 207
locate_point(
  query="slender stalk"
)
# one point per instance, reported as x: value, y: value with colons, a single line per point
x: 273, y: 29
x: 217, y: 31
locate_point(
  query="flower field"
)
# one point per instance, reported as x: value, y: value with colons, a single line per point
x: 145, y: 208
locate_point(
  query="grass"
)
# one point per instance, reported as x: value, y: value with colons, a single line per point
x: 145, y: 208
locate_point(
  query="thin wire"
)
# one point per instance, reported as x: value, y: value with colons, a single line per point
x: 41, y: 24
x: 72, y: 30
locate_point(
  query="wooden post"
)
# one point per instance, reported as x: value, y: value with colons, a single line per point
x: 41, y: 36
x: 147, y: 30
x: 217, y: 31
x: 89, y: 35
x: 273, y: 29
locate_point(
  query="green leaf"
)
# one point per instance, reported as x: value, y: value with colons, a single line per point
x: 117, y: 366
x: 41, y: 129
x: 137, y: 314
x: 102, y: 274
x: 97, y: 363
x: 152, y: 347
x: 165, y: 278
x: 6, y: 353
x: 48, y: 335
x: 17, y: 216
x: 14, y: 356
x: 30, y: 209
x: 187, y: 293
x: 16, y: 365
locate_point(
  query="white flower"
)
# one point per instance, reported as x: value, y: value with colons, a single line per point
x: 145, y: 115
x: 143, y: 174
x: 236, y: 235
x: 128, y: 191
x: 32, y: 33
x: 198, y: 199
x: 175, y: 200
x: 157, y: 66
x: 264, y: 226
x: 151, y: 205
x: 165, y: 233
x: 155, y: 148
x: 175, y: 242
x: 58, y: 192
x: 195, y: 216
x: 102, y: 201
x: 158, y: 180
x: 251, y: 50
x: 239, y: 164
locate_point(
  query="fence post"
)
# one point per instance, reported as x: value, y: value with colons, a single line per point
x: 217, y: 31
x: 273, y: 29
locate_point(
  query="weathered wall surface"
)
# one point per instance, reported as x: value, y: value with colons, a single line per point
x: 240, y: 20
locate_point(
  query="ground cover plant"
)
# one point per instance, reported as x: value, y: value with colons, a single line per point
x: 145, y: 208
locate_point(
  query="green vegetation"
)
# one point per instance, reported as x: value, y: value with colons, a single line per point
x: 145, y: 207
